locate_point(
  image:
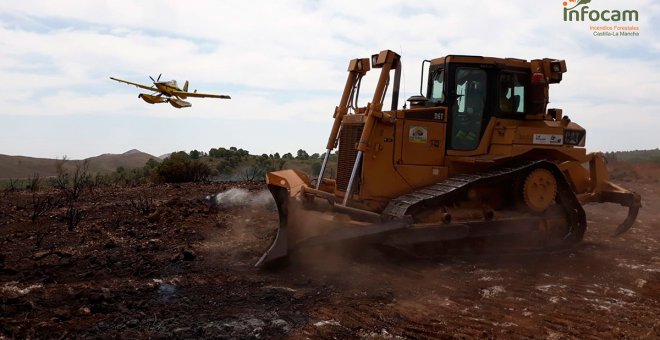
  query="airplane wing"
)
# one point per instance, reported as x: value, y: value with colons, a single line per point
x: 136, y: 84
x: 200, y: 95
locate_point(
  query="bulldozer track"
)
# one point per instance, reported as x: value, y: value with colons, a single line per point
x: 454, y: 189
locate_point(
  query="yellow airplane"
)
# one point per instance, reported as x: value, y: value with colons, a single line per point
x: 168, y: 91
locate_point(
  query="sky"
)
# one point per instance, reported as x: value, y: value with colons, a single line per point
x: 284, y: 65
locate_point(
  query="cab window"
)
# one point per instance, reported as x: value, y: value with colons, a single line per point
x: 438, y: 87
x: 468, y: 109
x: 511, y: 92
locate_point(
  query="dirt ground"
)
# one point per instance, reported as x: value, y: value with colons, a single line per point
x: 160, y: 262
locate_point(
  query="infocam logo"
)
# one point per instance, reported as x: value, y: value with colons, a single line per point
x: 579, y: 11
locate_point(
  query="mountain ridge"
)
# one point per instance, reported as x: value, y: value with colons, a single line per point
x: 17, y: 167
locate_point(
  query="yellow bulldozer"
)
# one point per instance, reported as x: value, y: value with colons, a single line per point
x: 477, y: 156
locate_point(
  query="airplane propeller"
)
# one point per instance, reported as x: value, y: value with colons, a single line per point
x: 157, y: 79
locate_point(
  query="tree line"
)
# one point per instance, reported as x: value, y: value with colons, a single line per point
x: 196, y: 166
x: 228, y: 163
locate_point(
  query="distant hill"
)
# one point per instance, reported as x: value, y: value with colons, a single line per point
x: 110, y: 162
x: 25, y: 167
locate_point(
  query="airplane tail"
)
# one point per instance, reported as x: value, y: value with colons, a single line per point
x: 185, y: 87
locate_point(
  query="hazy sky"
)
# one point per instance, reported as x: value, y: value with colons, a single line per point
x: 284, y: 64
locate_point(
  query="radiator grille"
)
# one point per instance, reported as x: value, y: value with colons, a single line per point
x: 349, y: 136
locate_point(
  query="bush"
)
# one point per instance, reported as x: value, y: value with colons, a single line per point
x: 316, y: 168
x: 179, y: 167
x: 302, y: 154
x: 198, y: 171
x: 71, y: 187
x: 195, y: 154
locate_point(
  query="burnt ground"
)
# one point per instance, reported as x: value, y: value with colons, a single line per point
x: 159, y: 262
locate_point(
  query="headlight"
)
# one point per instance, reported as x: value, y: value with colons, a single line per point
x: 574, y: 137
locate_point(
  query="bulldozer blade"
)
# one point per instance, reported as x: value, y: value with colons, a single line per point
x: 283, y: 242
x: 279, y: 249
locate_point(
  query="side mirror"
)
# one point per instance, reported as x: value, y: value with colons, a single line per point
x: 421, y: 80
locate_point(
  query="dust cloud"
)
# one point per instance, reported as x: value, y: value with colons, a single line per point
x: 244, y: 221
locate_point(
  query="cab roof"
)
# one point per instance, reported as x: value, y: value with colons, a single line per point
x: 472, y: 59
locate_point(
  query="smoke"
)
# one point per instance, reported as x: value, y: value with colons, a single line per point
x: 236, y: 197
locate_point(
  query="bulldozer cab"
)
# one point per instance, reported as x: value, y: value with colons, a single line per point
x: 475, y: 89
